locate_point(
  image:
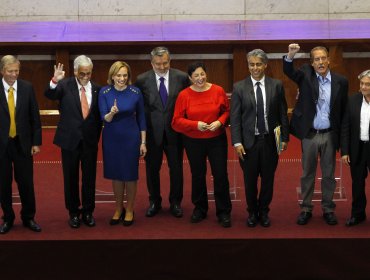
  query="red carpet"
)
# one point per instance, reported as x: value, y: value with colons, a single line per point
x: 52, y: 215
x: 164, y: 247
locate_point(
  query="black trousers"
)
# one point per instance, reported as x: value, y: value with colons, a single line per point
x: 153, y: 164
x: 215, y: 149
x: 260, y: 161
x: 71, y: 160
x: 359, y: 171
x: 15, y: 160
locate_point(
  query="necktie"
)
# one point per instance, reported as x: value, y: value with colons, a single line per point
x: 84, y: 104
x: 11, y: 105
x: 321, y: 99
x: 163, y: 92
x: 260, y: 111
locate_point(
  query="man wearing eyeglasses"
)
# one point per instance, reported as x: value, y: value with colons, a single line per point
x: 316, y: 121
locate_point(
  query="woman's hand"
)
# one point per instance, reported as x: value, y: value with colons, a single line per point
x: 114, y: 110
x: 202, y: 126
x: 215, y: 125
x: 143, y: 150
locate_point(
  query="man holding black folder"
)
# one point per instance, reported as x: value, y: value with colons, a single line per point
x: 258, y: 106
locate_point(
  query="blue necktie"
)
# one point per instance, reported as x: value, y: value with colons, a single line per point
x: 163, y: 92
x: 260, y: 111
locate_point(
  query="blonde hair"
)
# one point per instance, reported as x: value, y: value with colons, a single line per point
x: 8, y: 59
x: 114, y: 70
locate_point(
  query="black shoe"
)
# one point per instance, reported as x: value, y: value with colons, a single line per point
x: 176, y: 210
x: 74, y: 222
x: 303, y: 218
x: 5, y: 227
x: 265, y: 220
x: 330, y: 218
x: 129, y: 223
x: 114, y: 222
x: 252, y: 220
x: 197, y: 216
x: 354, y: 221
x: 88, y: 219
x: 224, y: 220
x: 32, y: 225
x: 153, y: 209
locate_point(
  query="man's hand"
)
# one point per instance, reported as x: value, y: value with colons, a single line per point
x: 240, y: 151
x: 58, y: 72
x: 345, y: 159
x: 35, y: 150
x: 293, y: 49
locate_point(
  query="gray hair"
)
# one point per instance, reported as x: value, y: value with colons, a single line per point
x: 159, y: 51
x: 82, y: 60
x: 258, y: 53
x: 366, y: 73
x: 8, y: 59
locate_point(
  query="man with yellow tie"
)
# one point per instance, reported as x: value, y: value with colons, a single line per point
x: 20, y: 138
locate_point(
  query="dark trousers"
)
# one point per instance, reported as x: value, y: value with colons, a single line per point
x: 260, y: 161
x: 359, y: 171
x: 215, y: 149
x: 15, y: 159
x: 153, y: 163
x: 71, y: 160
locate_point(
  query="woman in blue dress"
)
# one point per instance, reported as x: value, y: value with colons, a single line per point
x: 121, y: 107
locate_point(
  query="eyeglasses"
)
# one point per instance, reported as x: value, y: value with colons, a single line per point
x: 84, y: 74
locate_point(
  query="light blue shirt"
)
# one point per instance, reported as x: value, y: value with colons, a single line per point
x: 321, y: 120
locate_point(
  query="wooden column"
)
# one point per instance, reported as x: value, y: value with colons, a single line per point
x: 336, y: 60
x: 240, y: 67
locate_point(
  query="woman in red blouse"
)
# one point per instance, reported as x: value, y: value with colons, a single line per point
x: 201, y: 113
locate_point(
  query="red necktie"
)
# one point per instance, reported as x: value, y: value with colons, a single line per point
x: 84, y: 104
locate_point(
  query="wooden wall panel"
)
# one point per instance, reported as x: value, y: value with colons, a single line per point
x: 224, y: 72
x: 39, y: 73
x: 354, y: 66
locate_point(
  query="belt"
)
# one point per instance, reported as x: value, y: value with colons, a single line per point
x: 320, y: 131
x: 364, y: 142
x: 261, y: 136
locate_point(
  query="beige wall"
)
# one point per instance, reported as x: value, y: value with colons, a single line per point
x: 133, y: 10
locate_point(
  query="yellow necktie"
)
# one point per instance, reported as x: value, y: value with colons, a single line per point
x: 84, y: 103
x: 11, y: 105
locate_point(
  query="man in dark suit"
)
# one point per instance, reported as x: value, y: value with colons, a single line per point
x: 77, y: 135
x: 160, y: 87
x: 316, y: 121
x: 258, y: 106
x: 355, y: 146
x: 20, y: 138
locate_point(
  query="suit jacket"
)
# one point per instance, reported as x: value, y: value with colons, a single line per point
x: 27, y: 118
x: 158, y: 118
x: 243, y: 111
x: 350, y: 133
x: 305, y: 108
x: 72, y: 128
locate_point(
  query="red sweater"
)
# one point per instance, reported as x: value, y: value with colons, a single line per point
x: 207, y: 106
